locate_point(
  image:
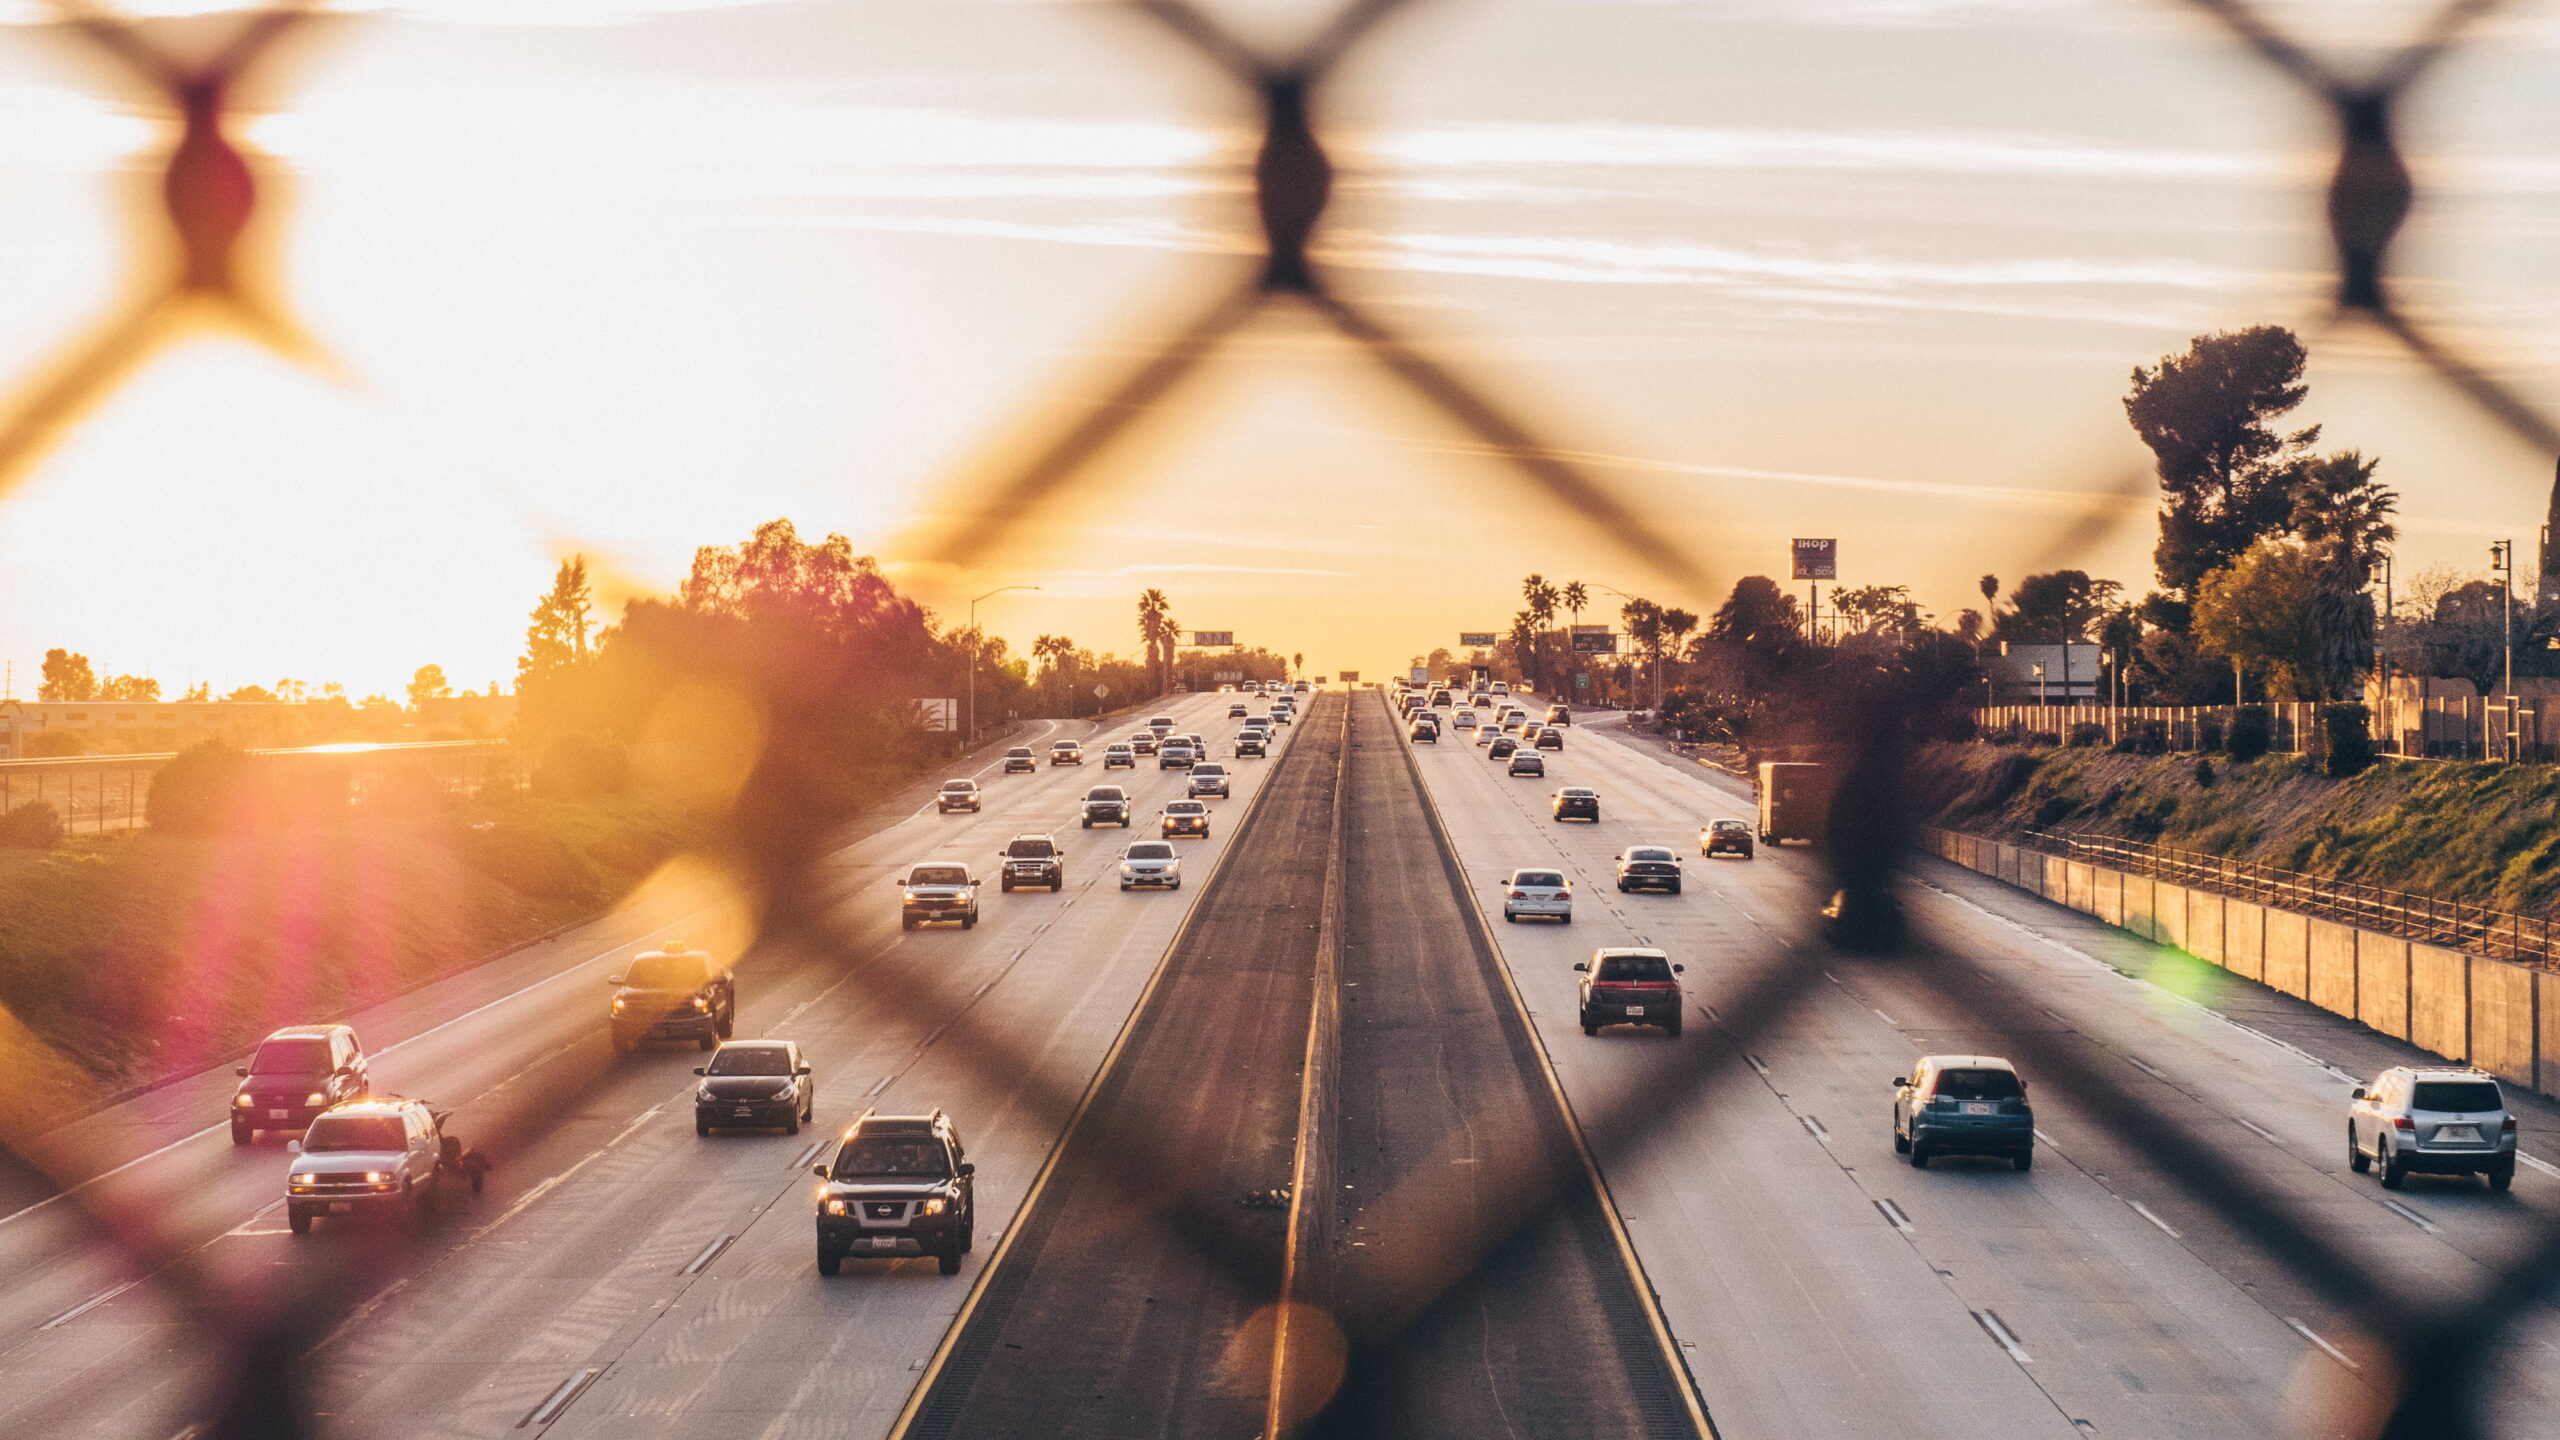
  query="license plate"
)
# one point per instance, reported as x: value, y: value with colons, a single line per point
x: 1977, y: 1108
x: 2458, y: 1134
x: 877, y: 1244
x: 746, y: 1110
x: 342, y: 1207
x: 279, y: 1114
x: 1635, y: 1009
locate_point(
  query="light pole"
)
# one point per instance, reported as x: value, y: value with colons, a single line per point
x: 974, y: 640
x: 1657, y: 654
x: 2502, y: 560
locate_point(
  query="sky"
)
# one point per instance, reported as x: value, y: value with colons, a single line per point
x: 627, y: 277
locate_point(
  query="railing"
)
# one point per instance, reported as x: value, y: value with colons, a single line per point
x: 95, y: 794
x: 2454, y: 924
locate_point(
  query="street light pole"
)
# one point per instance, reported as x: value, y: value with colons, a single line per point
x: 1657, y: 654
x: 2502, y: 556
x: 974, y: 641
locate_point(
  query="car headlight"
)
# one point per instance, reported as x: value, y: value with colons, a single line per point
x: 621, y: 1005
x: 701, y: 1004
x: 934, y: 1207
x: 243, y: 1101
x: 306, y: 1179
x: 839, y: 1207
x: 315, y: 1098
x: 702, y: 1092
x: 376, y: 1177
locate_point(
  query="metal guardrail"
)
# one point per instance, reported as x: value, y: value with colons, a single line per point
x: 2453, y: 924
x: 96, y: 794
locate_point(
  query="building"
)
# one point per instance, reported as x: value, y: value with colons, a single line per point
x: 2036, y: 674
x: 174, y: 724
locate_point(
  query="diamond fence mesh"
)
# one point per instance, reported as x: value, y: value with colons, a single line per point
x: 267, y: 1339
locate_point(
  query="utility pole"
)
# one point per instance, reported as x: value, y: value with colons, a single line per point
x: 975, y: 639
x: 2502, y: 557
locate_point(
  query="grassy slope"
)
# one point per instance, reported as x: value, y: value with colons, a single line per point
x: 2489, y: 834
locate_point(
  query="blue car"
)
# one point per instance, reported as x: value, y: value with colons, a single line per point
x: 1963, y: 1105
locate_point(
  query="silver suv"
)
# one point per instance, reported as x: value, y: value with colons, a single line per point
x: 2435, y: 1120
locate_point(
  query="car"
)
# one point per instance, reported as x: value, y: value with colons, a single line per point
x: 1176, y: 755
x: 1237, y: 712
x: 1143, y: 743
x: 1629, y: 985
x: 1501, y: 687
x: 1423, y: 732
x: 1481, y: 700
x: 936, y: 890
x: 1208, y: 779
x: 295, y: 1074
x: 1186, y: 817
x: 1963, y: 1105
x: 754, y: 1084
x: 1725, y: 837
x: 956, y: 795
x: 1303, y: 688
x: 1199, y: 744
x: 1464, y: 720
x: 1550, y: 738
x: 1031, y: 860
x: 1649, y: 867
x: 897, y: 1185
x: 2435, y: 1120
x: 1578, y: 802
x: 1150, y: 863
x: 1066, y: 752
x: 1559, y: 715
x: 1019, y: 760
x: 1119, y: 755
x: 1281, y: 714
x: 1106, y: 805
x: 1544, y: 893
x: 384, y: 1157
x: 1440, y: 698
x: 1485, y: 734
x: 673, y: 993
x: 1500, y: 746
x: 1252, y: 744
x: 1161, y: 724
x: 1528, y: 762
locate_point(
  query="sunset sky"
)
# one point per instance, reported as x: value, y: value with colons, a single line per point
x: 630, y: 276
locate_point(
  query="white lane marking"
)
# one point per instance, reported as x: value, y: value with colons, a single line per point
x: 2145, y: 1212
x: 2332, y: 1351
x: 709, y: 1253
x: 2147, y: 1068
x: 2041, y: 1137
x: 560, y: 1397
x: 809, y: 1155
x: 92, y: 1303
x: 1889, y: 1020
x: 526, y: 1200
x: 2412, y: 1216
x: 2000, y: 1334
x: 2261, y: 1131
x: 876, y: 1089
x: 1893, y: 1216
x: 1814, y: 1128
x: 2545, y: 1166
x: 1756, y: 1063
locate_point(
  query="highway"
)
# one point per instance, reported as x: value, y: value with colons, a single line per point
x: 612, y: 1239
x: 1819, y: 1287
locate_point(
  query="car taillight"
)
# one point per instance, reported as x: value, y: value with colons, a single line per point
x: 1508, y: 895
x: 2507, y: 1126
x: 2402, y: 1122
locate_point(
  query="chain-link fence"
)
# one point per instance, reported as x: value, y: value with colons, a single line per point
x: 266, y: 1337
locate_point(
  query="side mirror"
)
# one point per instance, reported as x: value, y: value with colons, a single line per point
x: 613, y: 979
x: 699, y: 1070
x: 1679, y: 969
x: 2357, y: 1093
x: 803, y: 1070
x: 293, y: 1147
x: 975, y: 882
x: 968, y: 1167
x: 242, y: 1071
x: 1582, y: 965
x: 1899, y: 1081
x: 818, y: 1170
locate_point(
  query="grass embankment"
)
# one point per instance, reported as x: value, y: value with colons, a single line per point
x: 127, y: 958
x: 2486, y: 834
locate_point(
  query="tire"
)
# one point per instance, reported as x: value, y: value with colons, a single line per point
x: 1622, y: 887
x: 906, y: 922
x: 1057, y: 885
x: 1901, y: 1142
x: 794, y: 1127
x: 1005, y: 885
x: 2357, y: 1160
x: 243, y: 1134
x: 1088, y: 824
x: 1919, y: 1154
x: 1673, y: 1029
x: 728, y: 1024
x: 1507, y: 918
x: 1124, y: 887
x: 2502, y: 1178
x: 968, y: 922
x: 2395, y: 1171
x: 949, y: 1260
x: 1176, y: 885
x: 829, y: 1262
x: 2024, y: 1159
x: 1566, y: 917
x: 1675, y: 887
x: 708, y: 1042
x: 301, y: 1224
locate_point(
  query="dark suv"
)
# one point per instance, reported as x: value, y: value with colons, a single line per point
x: 1629, y: 987
x: 674, y: 994
x: 1032, y: 860
x: 296, y: 1074
x: 754, y: 1083
x: 1106, y: 805
x: 898, y: 1185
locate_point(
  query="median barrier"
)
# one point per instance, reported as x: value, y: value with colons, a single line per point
x: 2110, y: 888
x: 2244, y: 938
x: 2208, y: 913
x: 2440, y: 1001
x: 2169, y: 914
x: 2141, y: 892
x: 2332, y: 967
x: 2288, y: 953
x: 2382, y: 983
x: 2502, y: 1038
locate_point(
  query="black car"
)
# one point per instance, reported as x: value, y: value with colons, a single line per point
x: 1550, y: 738
x: 1106, y: 805
x: 1726, y: 837
x: 1143, y: 743
x: 754, y: 1084
x: 956, y: 795
x: 1648, y: 867
x: 898, y: 1185
x: 1574, y: 802
x: 1500, y: 746
x: 1032, y: 860
x: 674, y: 994
x: 1020, y: 759
x: 295, y: 1074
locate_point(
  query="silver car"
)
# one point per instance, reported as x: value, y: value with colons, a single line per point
x: 1150, y: 862
x: 2434, y: 1120
x: 1542, y: 893
x: 1208, y: 780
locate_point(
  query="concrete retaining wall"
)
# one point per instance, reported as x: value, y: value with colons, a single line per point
x: 2467, y: 1008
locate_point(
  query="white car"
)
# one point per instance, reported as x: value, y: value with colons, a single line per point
x: 1463, y: 720
x: 1542, y: 893
x: 1150, y: 862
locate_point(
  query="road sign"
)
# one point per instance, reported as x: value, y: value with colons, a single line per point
x: 1581, y: 679
x: 1226, y: 674
x: 1817, y: 559
x: 1101, y: 692
x: 1477, y: 639
x: 1213, y: 639
x: 1350, y: 677
x: 938, y: 715
x: 1594, y: 640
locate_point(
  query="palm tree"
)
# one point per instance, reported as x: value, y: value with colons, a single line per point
x: 1056, y: 654
x: 1152, y: 610
x: 1542, y: 599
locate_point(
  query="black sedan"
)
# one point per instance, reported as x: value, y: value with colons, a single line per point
x: 1649, y: 867
x: 1576, y: 802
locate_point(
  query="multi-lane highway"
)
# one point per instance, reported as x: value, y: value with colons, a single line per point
x: 1346, y: 1071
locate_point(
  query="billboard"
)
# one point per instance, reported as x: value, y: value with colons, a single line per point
x: 1213, y: 639
x: 1477, y: 639
x: 1350, y: 677
x: 1594, y: 640
x: 1817, y: 559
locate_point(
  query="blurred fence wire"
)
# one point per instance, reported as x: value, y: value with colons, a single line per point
x: 267, y: 1342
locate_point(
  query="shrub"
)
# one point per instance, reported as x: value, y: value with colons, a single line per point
x: 196, y: 793
x: 2152, y: 737
x: 2088, y: 733
x: 2204, y: 773
x: 36, y: 826
x: 2043, y: 737
x: 2209, y: 733
x: 2346, y: 740
x: 53, y: 744
x: 2253, y: 730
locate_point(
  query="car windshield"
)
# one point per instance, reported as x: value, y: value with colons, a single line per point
x: 751, y: 1060
x: 1155, y: 850
x: 355, y: 1132
x: 1019, y: 752
x: 938, y: 875
x: 892, y: 1155
x: 1730, y: 827
x: 1977, y: 1085
x: 1186, y: 807
x: 2455, y: 1095
x: 305, y: 1056
x: 1031, y: 849
x: 1648, y: 853
x: 1106, y: 792
x: 1634, y: 967
x: 959, y: 785
x: 1207, y: 772
x: 664, y: 972
x: 1547, y: 878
